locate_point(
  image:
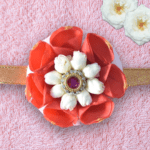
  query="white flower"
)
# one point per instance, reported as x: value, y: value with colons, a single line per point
x: 53, y: 78
x: 79, y: 60
x: 114, y: 11
x: 95, y: 86
x: 137, y: 25
x: 62, y: 64
x: 71, y: 85
x: 90, y: 71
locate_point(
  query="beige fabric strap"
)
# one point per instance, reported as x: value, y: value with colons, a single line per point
x: 137, y: 76
x: 13, y: 75
x: 17, y: 75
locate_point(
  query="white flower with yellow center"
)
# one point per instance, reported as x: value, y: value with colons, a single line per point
x: 73, y: 80
x: 114, y: 11
x: 137, y: 25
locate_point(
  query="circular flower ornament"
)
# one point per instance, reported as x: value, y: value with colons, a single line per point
x: 74, y: 80
x: 114, y: 11
x: 72, y: 84
x: 137, y: 25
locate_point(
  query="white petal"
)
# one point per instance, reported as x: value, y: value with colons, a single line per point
x: 62, y: 64
x: 95, y: 86
x: 79, y: 60
x: 90, y: 71
x: 53, y: 78
x: 68, y: 102
x: 84, y: 98
x: 57, y: 91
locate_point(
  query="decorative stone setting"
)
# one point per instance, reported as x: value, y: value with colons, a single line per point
x: 73, y: 82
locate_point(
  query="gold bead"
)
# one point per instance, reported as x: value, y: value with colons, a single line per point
x: 99, y: 120
x: 68, y: 27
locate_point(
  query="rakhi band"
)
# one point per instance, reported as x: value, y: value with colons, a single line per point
x: 71, y: 82
x: 17, y: 75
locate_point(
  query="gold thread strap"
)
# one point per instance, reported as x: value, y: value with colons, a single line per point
x: 13, y: 75
x: 137, y: 76
x: 17, y: 75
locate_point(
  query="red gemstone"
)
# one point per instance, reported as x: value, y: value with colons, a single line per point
x: 73, y: 82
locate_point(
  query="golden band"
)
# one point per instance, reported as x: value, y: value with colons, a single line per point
x: 13, y: 75
x: 137, y: 76
x: 17, y: 75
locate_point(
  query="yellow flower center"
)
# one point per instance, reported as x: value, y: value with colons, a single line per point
x: 141, y: 24
x: 118, y: 8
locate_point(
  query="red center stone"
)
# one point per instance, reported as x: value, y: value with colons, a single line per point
x: 73, y: 82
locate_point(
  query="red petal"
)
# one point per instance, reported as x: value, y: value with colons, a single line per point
x: 104, y: 72
x: 66, y: 40
x: 100, y: 109
x: 98, y: 49
x: 38, y: 80
x: 115, y: 85
x: 36, y: 98
x: 41, y: 56
x: 57, y: 116
x: 47, y: 98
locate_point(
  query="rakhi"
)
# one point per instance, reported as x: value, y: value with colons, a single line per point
x: 73, y: 83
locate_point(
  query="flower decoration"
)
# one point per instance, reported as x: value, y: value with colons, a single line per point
x: 74, y: 80
x: 114, y: 11
x: 66, y: 80
x: 137, y: 25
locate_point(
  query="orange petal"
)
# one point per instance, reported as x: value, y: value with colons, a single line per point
x: 36, y: 97
x: 66, y: 40
x: 100, y: 109
x: 114, y: 85
x: 98, y: 49
x: 41, y: 56
x: 59, y: 117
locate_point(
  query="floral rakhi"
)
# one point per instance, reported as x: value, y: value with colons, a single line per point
x: 73, y: 83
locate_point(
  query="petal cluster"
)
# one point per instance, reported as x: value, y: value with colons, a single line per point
x: 63, y: 65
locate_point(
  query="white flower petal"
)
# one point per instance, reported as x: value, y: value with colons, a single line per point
x: 114, y: 11
x: 90, y: 71
x: 68, y: 102
x: 79, y: 60
x: 84, y: 98
x: 137, y: 25
x: 53, y: 78
x: 95, y: 86
x: 62, y: 64
x: 57, y: 91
